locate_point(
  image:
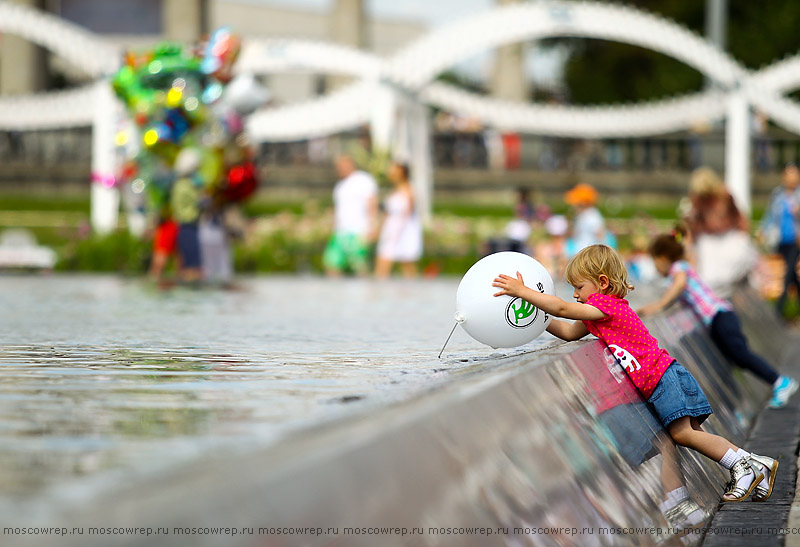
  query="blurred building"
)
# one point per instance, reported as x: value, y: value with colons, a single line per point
x: 341, y: 24
x: 509, y: 80
x: 26, y: 68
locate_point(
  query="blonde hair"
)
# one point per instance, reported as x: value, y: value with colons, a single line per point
x: 705, y: 181
x: 596, y: 260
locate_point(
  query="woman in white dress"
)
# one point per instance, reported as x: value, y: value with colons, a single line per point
x: 401, y: 233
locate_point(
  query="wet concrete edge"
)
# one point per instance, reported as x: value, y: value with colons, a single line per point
x: 435, y: 458
x: 775, y: 432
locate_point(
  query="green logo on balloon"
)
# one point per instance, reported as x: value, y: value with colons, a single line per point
x: 520, y: 313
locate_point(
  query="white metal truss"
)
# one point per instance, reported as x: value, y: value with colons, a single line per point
x: 415, y: 68
x: 409, y: 78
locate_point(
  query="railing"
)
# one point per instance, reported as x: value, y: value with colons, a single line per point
x: 46, y: 147
x: 459, y: 150
x: 485, y: 150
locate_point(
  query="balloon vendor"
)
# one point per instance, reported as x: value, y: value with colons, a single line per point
x: 181, y: 99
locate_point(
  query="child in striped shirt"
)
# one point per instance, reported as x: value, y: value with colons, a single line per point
x: 715, y: 313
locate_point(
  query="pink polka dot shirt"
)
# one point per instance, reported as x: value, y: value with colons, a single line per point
x: 630, y: 341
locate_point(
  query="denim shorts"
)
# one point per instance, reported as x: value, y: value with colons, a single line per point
x: 677, y: 395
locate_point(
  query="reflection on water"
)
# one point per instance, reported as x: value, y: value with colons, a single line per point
x: 102, y: 373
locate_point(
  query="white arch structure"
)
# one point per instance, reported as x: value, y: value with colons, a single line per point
x: 405, y: 82
x: 92, y: 104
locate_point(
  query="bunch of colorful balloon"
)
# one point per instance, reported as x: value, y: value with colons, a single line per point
x: 186, y: 103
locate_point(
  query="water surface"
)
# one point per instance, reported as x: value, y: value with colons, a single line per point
x: 104, y: 377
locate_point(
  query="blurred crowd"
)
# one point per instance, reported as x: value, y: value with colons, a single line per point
x: 373, y: 234
x: 192, y: 165
x: 717, y: 235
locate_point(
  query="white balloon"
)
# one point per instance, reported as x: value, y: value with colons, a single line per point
x: 245, y: 95
x: 502, y: 321
x: 188, y: 161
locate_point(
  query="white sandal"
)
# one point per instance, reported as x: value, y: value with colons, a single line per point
x: 769, y: 467
x: 685, y: 517
x: 739, y: 470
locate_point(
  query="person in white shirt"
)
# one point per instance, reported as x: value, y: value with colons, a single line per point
x: 355, y: 205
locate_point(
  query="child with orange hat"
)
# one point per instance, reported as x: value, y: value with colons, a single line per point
x: 589, y: 227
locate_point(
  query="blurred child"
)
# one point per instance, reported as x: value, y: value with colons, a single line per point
x: 640, y: 263
x: 588, y: 227
x: 165, y: 245
x: 715, y: 313
x: 518, y: 230
x: 601, y: 282
x: 552, y: 253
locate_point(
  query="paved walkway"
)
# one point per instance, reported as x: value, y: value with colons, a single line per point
x: 776, y: 433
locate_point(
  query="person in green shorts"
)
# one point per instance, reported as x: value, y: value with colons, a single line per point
x: 346, y: 251
x: 355, y: 205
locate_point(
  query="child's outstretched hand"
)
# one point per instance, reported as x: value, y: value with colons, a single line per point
x: 650, y: 309
x: 510, y: 286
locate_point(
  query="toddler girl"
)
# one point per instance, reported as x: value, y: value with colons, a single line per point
x: 600, y: 280
x: 716, y: 314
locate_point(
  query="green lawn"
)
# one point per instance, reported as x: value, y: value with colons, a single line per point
x: 45, y: 202
x: 619, y: 208
x: 452, y: 244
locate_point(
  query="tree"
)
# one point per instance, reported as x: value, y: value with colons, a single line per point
x: 607, y: 72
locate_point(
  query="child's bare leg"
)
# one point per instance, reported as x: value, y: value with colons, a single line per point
x: 709, y: 445
x: 158, y: 265
x: 671, y: 476
x: 679, y: 509
x: 687, y: 432
x: 767, y: 466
